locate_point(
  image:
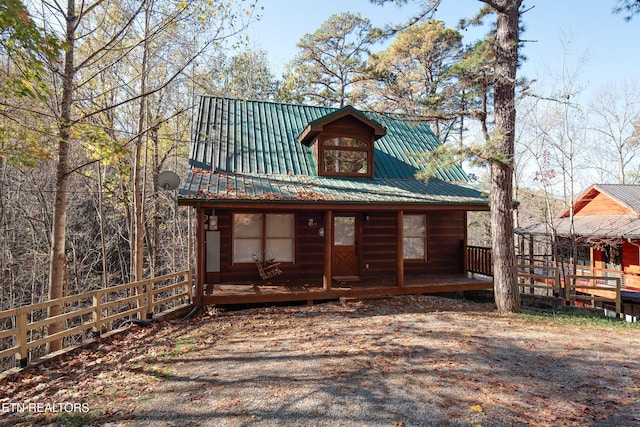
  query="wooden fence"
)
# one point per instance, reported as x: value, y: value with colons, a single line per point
x: 23, y: 330
x: 594, y: 288
x: 534, y: 276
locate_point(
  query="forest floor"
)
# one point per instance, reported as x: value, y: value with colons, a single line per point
x: 403, y: 361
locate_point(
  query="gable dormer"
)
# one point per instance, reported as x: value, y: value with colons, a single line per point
x: 343, y: 143
x: 605, y: 199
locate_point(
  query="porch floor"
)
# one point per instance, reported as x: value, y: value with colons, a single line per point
x: 308, y: 290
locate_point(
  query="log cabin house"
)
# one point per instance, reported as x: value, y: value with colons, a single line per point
x: 606, y: 232
x: 307, y: 203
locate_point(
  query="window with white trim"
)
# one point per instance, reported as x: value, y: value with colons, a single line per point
x: 414, y: 237
x: 267, y: 236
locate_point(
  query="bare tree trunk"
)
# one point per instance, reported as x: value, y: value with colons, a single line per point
x: 103, y: 237
x: 58, y: 237
x: 137, y: 264
x: 507, y: 297
x: 154, y: 233
x: 2, y: 207
x: 6, y: 267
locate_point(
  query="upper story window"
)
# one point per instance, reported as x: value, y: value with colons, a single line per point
x: 342, y: 143
x: 344, y: 156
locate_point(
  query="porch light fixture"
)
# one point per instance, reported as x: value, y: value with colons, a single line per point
x: 312, y: 222
x: 366, y: 216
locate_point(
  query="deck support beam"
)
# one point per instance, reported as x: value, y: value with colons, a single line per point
x: 243, y: 294
x: 328, y: 241
x: 400, y: 250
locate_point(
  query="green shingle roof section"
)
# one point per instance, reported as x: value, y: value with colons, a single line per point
x: 249, y: 150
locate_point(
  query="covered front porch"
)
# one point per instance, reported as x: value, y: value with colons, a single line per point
x: 477, y: 276
x: 331, y: 253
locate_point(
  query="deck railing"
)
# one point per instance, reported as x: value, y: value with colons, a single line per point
x: 23, y: 330
x: 594, y: 288
x: 478, y: 260
x: 557, y: 280
x: 534, y: 276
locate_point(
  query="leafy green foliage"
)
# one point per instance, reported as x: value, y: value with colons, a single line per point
x: 28, y: 46
x: 99, y: 145
x: 413, y: 73
x: 25, y: 49
x: 21, y: 147
x: 413, y: 76
x: 331, y: 61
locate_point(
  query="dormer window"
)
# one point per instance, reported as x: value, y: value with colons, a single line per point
x: 345, y: 156
x: 343, y: 143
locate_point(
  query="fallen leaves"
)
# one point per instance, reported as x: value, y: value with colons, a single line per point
x: 458, y: 360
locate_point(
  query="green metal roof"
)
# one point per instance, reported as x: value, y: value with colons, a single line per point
x: 249, y: 150
x: 205, y: 185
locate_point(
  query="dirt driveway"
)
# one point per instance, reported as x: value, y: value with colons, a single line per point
x: 404, y: 361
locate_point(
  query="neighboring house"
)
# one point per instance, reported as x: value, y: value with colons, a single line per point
x: 606, y: 230
x: 330, y: 195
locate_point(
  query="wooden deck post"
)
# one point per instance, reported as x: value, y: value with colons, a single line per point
x: 532, y: 290
x: 400, y: 251
x: 21, y: 337
x: 97, y: 314
x: 148, y: 288
x: 465, y: 244
x: 328, y: 241
x: 619, y: 299
x: 200, y: 255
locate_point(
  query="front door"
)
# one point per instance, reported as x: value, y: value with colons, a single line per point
x: 345, y: 246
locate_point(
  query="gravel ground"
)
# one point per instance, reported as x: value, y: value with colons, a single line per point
x: 406, y: 361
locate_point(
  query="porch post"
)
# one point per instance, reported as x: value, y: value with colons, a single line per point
x: 465, y: 244
x: 532, y: 290
x: 400, y: 250
x: 328, y: 239
x: 200, y: 255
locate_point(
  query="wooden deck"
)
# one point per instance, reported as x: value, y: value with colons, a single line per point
x: 289, y: 291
